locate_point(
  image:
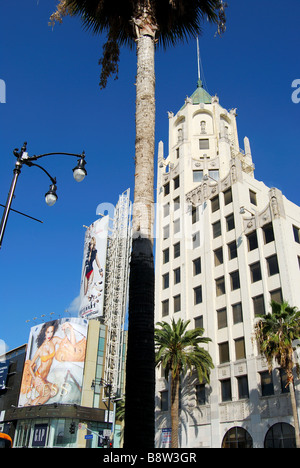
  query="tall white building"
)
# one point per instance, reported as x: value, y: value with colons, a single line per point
x: 226, y: 245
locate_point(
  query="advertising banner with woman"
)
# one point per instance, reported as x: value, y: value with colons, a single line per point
x: 53, y: 370
x: 93, y: 269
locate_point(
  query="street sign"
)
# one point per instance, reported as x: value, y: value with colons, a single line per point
x: 88, y: 436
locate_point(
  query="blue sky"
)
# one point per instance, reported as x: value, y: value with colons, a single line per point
x: 53, y: 102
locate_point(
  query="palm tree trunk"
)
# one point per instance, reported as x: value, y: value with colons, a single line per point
x: 295, y: 412
x: 140, y: 366
x: 175, y: 382
x: 174, y: 411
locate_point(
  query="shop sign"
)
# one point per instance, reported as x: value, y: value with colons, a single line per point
x: 39, y: 435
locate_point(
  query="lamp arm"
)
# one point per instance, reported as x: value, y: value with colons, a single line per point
x: 34, y: 157
x: 29, y: 164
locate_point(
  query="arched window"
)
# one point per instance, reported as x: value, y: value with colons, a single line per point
x: 237, y: 437
x: 281, y: 435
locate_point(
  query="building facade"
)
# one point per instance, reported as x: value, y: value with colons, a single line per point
x: 226, y: 244
x: 63, y: 393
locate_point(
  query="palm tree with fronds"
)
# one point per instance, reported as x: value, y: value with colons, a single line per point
x: 178, y: 350
x: 120, y: 410
x: 141, y: 24
x: 276, y: 333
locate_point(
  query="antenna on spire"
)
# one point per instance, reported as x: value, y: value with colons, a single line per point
x: 198, y: 59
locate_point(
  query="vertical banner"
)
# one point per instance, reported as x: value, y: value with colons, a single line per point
x: 53, y: 370
x: 3, y: 373
x: 93, y: 269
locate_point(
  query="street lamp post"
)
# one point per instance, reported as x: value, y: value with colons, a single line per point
x: 108, y: 385
x: 79, y: 173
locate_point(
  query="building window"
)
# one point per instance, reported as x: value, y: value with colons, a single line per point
x: 197, y: 176
x: 227, y: 196
x: 215, y: 204
x: 273, y: 267
x: 166, y: 256
x: 165, y: 307
x: 177, y: 275
x: 62, y: 433
x: 214, y: 174
x: 166, y: 210
x: 200, y: 394
x: 252, y: 241
x: 268, y: 233
x: 266, y: 381
x: 197, y: 266
x: 230, y: 222
x: 218, y: 255
x: 195, y: 214
x: 252, y: 197
x: 167, y: 189
x: 176, y: 203
x: 232, y: 250
x: 198, y: 295
x: 235, y: 280
x: 166, y: 232
x: 165, y: 279
x: 177, y: 250
x: 164, y: 401
x: 216, y: 229
x: 204, y: 144
x: 224, y: 352
x: 296, y: 231
x: 237, y: 437
x: 259, y: 305
x: 196, y: 240
x: 276, y: 295
x: 226, y: 390
x: 176, y: 182
x: 177, y: 303
x: 243, y: 387
x: 281, y: 435
x: 177, y: 226
x: 198, y: 322
x: 220, y: 286
x: 285, y: 388
x: 222, y: 318
x: 255, y: 272
x: 237, y: 313
x: 240, y: 352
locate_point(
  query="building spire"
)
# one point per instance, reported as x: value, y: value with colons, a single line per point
x: 198, y: 60
x: 199, y: 83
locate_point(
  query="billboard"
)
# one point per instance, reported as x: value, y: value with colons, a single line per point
x: 53, y: 369
x: 93, y: 269
x: 3, y: 373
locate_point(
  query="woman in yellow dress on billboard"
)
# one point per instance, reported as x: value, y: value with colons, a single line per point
x: 35, y: 383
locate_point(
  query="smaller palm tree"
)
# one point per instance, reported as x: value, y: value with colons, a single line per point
x: 120, y: 410
x: 178, y: 350
x: 276, y: 333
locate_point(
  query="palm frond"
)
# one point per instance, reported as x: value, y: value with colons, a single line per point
x: 173, y: 21
x: 178, y: 350
x: 276, y: 333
